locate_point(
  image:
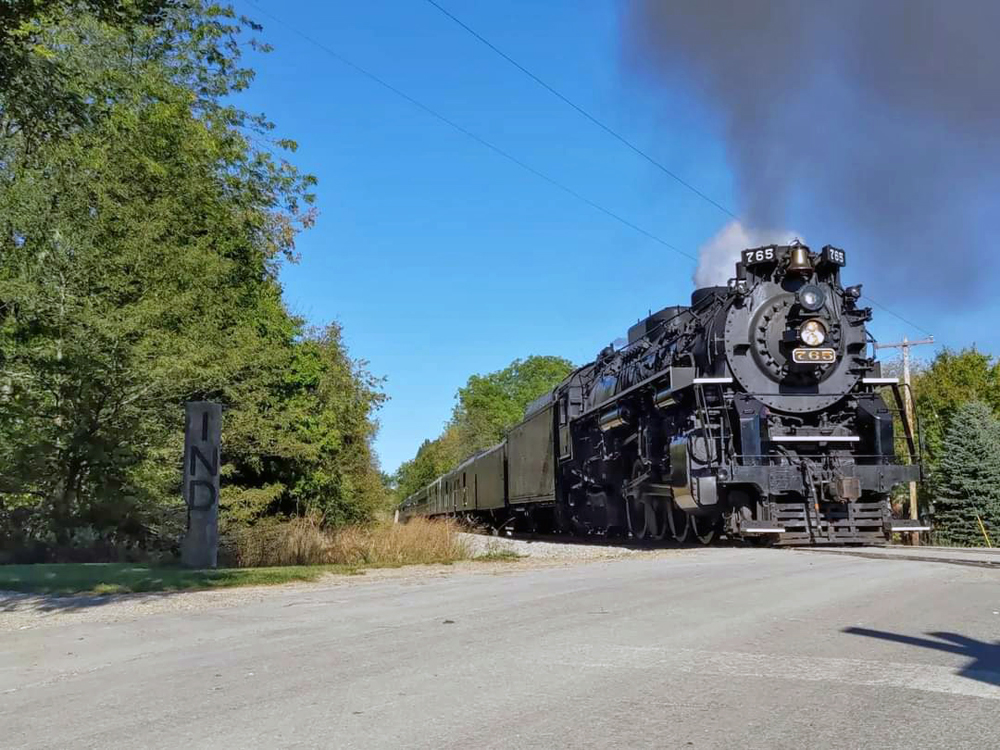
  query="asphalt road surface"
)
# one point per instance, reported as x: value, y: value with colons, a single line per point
x: 703, y: 648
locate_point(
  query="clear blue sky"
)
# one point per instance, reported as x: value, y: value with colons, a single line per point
x: 440, y: 258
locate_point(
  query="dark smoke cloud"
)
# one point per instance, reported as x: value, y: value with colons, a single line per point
x: 874, y: 122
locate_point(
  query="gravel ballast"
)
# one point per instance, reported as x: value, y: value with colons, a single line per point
x: 542, y: 550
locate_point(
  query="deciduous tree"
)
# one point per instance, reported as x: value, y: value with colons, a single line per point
x: 486, y: 407
x: 952, y: 379
x: 139, y: 254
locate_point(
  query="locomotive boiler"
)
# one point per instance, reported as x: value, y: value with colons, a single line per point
x: 757, y: 411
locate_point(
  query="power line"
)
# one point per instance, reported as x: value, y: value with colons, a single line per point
x: 896, y: 315
x: 607, y: 129
x: 469, y: 134
x: 513, y: 159
x: 618, y: 136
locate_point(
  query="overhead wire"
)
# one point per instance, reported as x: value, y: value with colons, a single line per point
x: 618, y: 136
x: 515, y: 160
x: 882, y: 307
x: 606, y: 128
x: 473, y: 136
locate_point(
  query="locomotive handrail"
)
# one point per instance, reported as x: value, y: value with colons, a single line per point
x: 905, y: 418
x: 916, y: 449
x: 775, y: 459
x: 662, y: 374
x: 704, y: 417
x: 706, y: 424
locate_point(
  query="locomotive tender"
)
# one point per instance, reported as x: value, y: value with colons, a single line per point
x: 755, y: 412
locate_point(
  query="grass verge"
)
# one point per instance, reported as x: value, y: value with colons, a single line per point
x: 304, y: 542
x: 500, y: 555
x: 275, y: 553
x: 123, y: 578
x: 496, y: 552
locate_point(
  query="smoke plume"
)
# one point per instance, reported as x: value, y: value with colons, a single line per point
x: 874, y: 126
x: 717, y: 258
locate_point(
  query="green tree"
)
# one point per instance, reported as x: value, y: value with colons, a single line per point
x: 340, y: 479
x: 951, y: 380
x: 39, y: 84
x: 298, y: 433
x: 139, y: 254
x: 433, y: 458
x: 486, y: 407
x: 969, y: 476
x: 489, y: 405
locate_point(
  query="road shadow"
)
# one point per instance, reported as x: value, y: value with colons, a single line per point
x: 13, y: 601
x: 984, y: 664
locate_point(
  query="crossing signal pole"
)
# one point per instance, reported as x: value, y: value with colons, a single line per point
x: 905, y: 345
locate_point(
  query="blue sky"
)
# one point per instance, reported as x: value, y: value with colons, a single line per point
x: 440, y: 258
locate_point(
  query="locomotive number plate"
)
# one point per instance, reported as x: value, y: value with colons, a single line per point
x: 809, y: 356
x: 760, y: 255
x: 834, y: 255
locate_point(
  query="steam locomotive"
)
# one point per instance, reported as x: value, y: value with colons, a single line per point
x: 754, y: 412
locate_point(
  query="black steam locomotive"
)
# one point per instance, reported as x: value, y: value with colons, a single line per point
x: 756, y: 412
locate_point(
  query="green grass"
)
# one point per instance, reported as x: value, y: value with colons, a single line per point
x: 500, y: 555
x: 123, y: 578
x: 496, y: 552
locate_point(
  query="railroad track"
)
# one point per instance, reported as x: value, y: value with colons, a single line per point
x: 975, y: 557
x: 603, y: 541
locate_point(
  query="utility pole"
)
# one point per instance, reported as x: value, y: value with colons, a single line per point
x: 905, y: 345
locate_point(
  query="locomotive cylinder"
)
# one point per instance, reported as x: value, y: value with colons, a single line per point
x: 612, y: 418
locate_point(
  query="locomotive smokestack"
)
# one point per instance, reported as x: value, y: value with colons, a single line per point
x: 874, y: 122
x: 716, y: 258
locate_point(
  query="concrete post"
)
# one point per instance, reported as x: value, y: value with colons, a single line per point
x: 202, y: 437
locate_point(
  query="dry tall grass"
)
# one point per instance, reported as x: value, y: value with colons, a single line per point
x: 303, y: 542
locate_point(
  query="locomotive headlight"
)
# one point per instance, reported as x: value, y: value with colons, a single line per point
x: 812, y: 333
x: 811, y: 297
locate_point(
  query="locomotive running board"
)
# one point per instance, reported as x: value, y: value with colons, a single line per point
x: 763, y: 530
x: 815, y: 438
x: 903, y: 528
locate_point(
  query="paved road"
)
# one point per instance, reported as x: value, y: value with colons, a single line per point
x: 968, y: 556
x: 704, y: 649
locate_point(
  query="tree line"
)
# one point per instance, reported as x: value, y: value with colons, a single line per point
x: 485, y: 408
x: 144, y: 221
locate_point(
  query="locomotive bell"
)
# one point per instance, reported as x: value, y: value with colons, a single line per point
x: 799, y: 261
